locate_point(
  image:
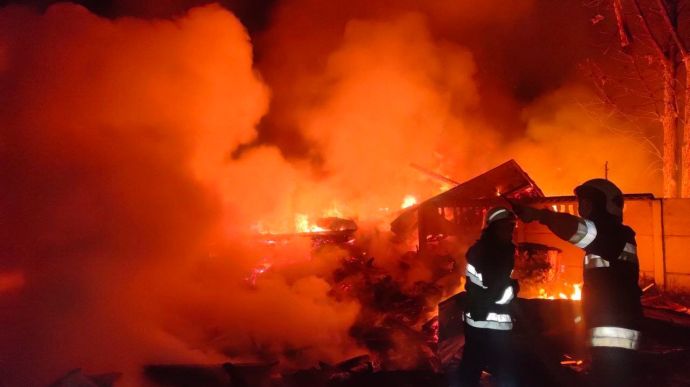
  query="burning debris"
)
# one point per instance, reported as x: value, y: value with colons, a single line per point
x: 324, y: 230
x: 536, y: 264
x: 396, y: 325
x: 458, y: 211
x: 538, y: 269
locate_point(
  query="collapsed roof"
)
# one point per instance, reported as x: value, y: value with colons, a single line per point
x: 506, y: 180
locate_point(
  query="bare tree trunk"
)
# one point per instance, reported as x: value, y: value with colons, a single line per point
x: 669, y: 12
x: 685, y: 154
x: 669, y: 117
x: 669, y: 123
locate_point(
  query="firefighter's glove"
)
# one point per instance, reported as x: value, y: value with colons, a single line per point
x: 516, y: 286
x: 526, y: 214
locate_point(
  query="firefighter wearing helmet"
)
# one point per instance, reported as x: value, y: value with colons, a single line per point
x: 611, y: 294
x: 490, y: 290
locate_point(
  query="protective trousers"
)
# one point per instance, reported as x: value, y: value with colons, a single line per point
x: 485, y: 350
x: 612, y: 367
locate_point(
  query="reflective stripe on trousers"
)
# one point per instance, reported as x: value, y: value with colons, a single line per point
x: 616, y: 337
x: 501, y: 322
x: 593, y: 261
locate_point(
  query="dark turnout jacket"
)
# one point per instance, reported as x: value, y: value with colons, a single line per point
x: 611, y: 294
x: 489, y: 286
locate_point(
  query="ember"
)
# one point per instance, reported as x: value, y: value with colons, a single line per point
x: 409, y: 201
x: 254, y: 275
x: 302, y: 224
x: 575, y: 294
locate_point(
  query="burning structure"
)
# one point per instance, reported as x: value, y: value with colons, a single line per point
x: 660, y: 223
x: 460, y: 209
x: 552, y: 331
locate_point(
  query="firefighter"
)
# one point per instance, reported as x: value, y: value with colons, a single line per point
x: 611, y: 294
x: 490, y: 289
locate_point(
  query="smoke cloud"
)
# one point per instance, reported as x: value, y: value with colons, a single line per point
x: 116, y: 161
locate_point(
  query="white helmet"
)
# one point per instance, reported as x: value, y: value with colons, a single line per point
x: 602, y: 189
x: 498, y: 213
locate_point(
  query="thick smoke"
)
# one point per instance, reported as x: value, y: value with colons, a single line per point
x: 457, y: 88
x: 118, y: 192
x: 390, y: 98
x: 569, y: 140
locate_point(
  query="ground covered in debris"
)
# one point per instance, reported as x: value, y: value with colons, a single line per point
x: 410, y: 332
x: 664, y: 361
x: 406, y: 347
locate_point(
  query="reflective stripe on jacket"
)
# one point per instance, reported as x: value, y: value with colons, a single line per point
x: 489, y: 286
x: 501, y: 322
x: 610, y: 293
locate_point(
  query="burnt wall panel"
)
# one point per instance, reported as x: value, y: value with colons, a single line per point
x: 678, y: 262
x: 677, y: 217
x: 676, y: 220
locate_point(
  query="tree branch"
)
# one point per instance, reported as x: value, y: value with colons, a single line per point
x: 645, y: 24
x: 672, y: 30
x: 622, y: 28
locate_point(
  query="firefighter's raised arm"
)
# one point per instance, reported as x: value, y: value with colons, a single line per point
x: 578, y: 231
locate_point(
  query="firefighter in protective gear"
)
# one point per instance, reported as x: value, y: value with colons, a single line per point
x: 490, y: 289
x: 611, y: 294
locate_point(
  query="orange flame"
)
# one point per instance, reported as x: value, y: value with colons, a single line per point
x: 303, y: 225
x: 300, y: 223
x: 575, y: 294
x: 257, y: 272
x: 408, y: 201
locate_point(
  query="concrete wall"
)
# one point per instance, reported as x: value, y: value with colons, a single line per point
x: 676, y: 223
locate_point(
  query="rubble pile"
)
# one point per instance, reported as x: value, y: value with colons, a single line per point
x: 397, y: 325
x: 397, y: 321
